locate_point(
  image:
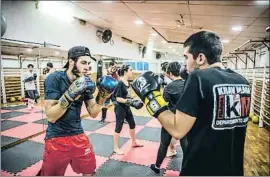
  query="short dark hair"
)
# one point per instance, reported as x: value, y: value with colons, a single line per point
x: 164, y: 66
x: 49, y: 64
x: 174, y: 68
x: 121, y: 71
x: 205, y: 42
x: 30, y: 65
x: 112, y: 63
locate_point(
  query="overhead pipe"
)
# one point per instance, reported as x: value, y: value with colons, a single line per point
x: 27, y: 42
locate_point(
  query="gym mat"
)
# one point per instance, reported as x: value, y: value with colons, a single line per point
x: 141, y: 120
x: 27, y: 154
x: 42, y: 121
x: 8, y: 124
x: 103, y: 144
x: 8, y: 115
x: 92, y: 125
x: 5, y: 140
x: 176, y: 161
x: 14, y: 107
x: 149, y: 134
x: 117, y: 168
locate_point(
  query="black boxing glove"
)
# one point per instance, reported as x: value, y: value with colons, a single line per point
x: 147, y: 87
x: 184, y: 72
x: 137, y: 104
x: 29, y: 79
x: 106, y: 86
x: 35, y: 76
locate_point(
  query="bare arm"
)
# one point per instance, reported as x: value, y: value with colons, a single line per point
x: 92, y: 107
x: 178, y: 125
x: 53, y: 110
x: 121, y: 100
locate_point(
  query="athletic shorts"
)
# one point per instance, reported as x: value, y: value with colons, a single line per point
x: 74, y: 150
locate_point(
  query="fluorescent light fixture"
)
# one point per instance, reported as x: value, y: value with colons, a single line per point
x: 57, y: 9
x: 237, y: 28
x: 177, y: 53
x: 173, y: 50
x: 169, y: 47
x: 225, y: 41
x: 154, y: 34
x: 139, y: 22
x: 56, y: 53
x: 29, y: 50
x: 262, y: 3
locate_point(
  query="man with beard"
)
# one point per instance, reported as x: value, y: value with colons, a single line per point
x: 65, y: 92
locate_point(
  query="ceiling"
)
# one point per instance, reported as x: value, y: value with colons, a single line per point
x: 217, y: 16
x: 164, y: 21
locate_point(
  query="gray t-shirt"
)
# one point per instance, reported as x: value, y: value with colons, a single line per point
x: 29, y: 85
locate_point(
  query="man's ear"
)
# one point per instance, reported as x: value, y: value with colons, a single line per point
x: 71, y: 62
x: 201, y: 59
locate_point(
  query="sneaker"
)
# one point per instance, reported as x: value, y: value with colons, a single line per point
x: 155, y: 169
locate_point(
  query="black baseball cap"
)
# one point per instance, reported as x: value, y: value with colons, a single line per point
x: 76, y: 52
x: 49, y: 64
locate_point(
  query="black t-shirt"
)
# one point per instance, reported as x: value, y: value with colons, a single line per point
x: 220, y: 101
x: 55, y: 85
x: 122, y: 91
x: 173, y: 92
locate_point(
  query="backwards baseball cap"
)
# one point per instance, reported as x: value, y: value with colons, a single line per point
x: 78, y: 51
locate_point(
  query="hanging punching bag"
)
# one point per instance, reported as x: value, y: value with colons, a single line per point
x: 3, y: 25
x: 99, y: 69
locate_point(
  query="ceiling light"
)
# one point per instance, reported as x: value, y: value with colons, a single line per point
x: 169, y: 47
x: 29, y: 50
x: 154, y: 34
x: 262, y: 3
x: 173, y: 50
x: 164, y: 42
x: 237, y: 28
x: 56, y: 53
x: 177, y: 53
x: 225, y: 41
x: 139, y: 22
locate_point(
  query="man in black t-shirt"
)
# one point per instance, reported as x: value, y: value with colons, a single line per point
x: 213, y: 110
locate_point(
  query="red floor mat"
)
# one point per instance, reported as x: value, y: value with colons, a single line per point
x: 154, y: 123
x: 110, y: 129
x: 25, y: 130
x: 33, y: 110
x: 34, y: 169
x: 3, y: 173
x: 171, y: 173
x: 4, y: 111
x: 145, y: 155
x: 32, y: 117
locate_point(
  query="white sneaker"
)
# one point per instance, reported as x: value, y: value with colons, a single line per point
x: 171, y: 153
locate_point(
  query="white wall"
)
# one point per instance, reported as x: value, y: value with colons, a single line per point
x: 25, y: 22
x: 262, y: 59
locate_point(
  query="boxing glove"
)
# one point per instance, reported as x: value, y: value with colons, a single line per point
x: 147, y: 87
x: 35, y: 76
x: 81, y: 85
x: 106, y: 86
x: 184, y: 72
x: 161, y: 80
x: 137, y: 104
x: 29, y: 79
